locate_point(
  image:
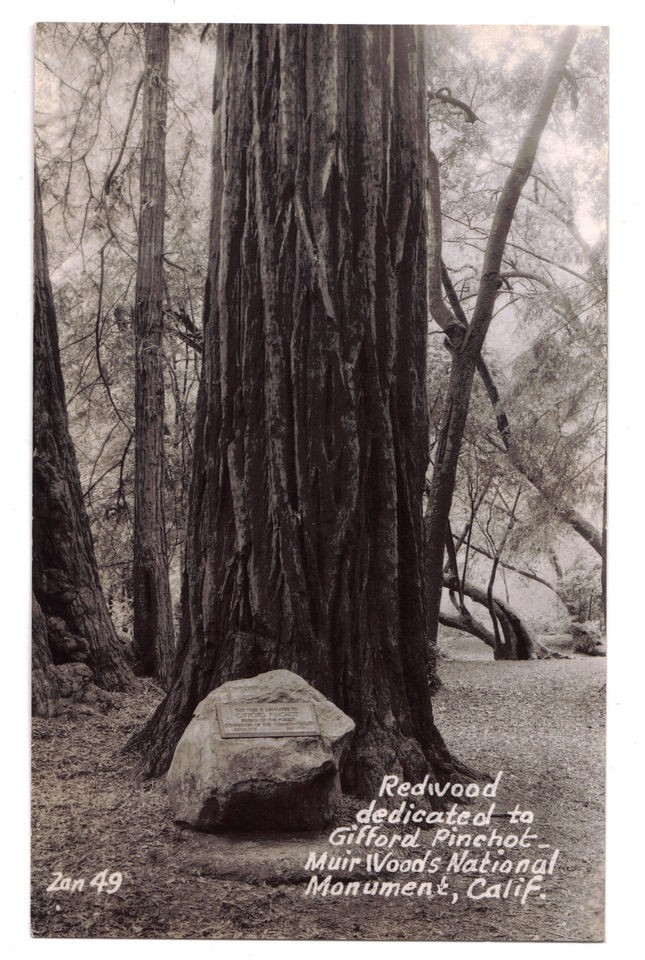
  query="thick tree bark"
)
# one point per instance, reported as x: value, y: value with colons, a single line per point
x: 153, y: 633
x: 42, y: 689
x: 468, y: 342
x: 305, y: 537
x: 65, y: 576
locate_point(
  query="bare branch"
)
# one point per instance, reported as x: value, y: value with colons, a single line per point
x: 452, y: 325
x: 445, y: 96
x: 113, y: 172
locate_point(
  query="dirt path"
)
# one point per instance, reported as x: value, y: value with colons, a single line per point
x: 542, y: 723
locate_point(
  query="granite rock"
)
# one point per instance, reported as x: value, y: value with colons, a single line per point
x: 259, y: 783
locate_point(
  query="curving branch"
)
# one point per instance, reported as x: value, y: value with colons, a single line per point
x: 468, y: 624
x: 518, y: 643
x: 445, y: 96
x: 115, y: 169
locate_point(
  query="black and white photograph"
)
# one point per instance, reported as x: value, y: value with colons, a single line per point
x: 319, y: 492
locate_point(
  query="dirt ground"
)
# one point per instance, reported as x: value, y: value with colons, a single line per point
x: 541, y: 722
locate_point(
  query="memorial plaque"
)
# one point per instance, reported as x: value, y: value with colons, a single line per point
x: 242, y: 719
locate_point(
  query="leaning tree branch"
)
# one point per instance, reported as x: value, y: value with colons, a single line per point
x: 511, y: 191
x: 113, y: 172
x: 468, y: 624
x: 564, y: 511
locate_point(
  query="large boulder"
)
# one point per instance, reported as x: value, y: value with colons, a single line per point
x: 259, y: 782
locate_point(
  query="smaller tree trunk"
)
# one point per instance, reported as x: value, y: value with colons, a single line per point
x: 153, y: 631
x: 65, y: 577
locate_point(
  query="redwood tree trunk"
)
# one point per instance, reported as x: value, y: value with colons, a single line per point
x: 153, y: 632
x: 65, y: 576
x: 305, y: 535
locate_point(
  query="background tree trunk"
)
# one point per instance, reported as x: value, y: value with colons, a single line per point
x: 65, y: 577
x: 153, y: 632
x: 305, y: 536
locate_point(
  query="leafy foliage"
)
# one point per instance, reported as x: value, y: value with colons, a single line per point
x: 546, y: 350
x: 88, y: 128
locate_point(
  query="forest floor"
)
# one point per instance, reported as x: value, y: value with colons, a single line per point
x: 541, y: 722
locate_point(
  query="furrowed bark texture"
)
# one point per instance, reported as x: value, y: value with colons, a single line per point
x: 65, y: 576
x: 305, y: 536
x: 42, y: 688
x: 153, y: 633
x: 468, y: 348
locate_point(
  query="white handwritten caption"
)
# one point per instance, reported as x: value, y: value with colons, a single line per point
x: 101, y: 882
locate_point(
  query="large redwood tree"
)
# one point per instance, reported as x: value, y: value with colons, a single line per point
x: 305, y: 537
